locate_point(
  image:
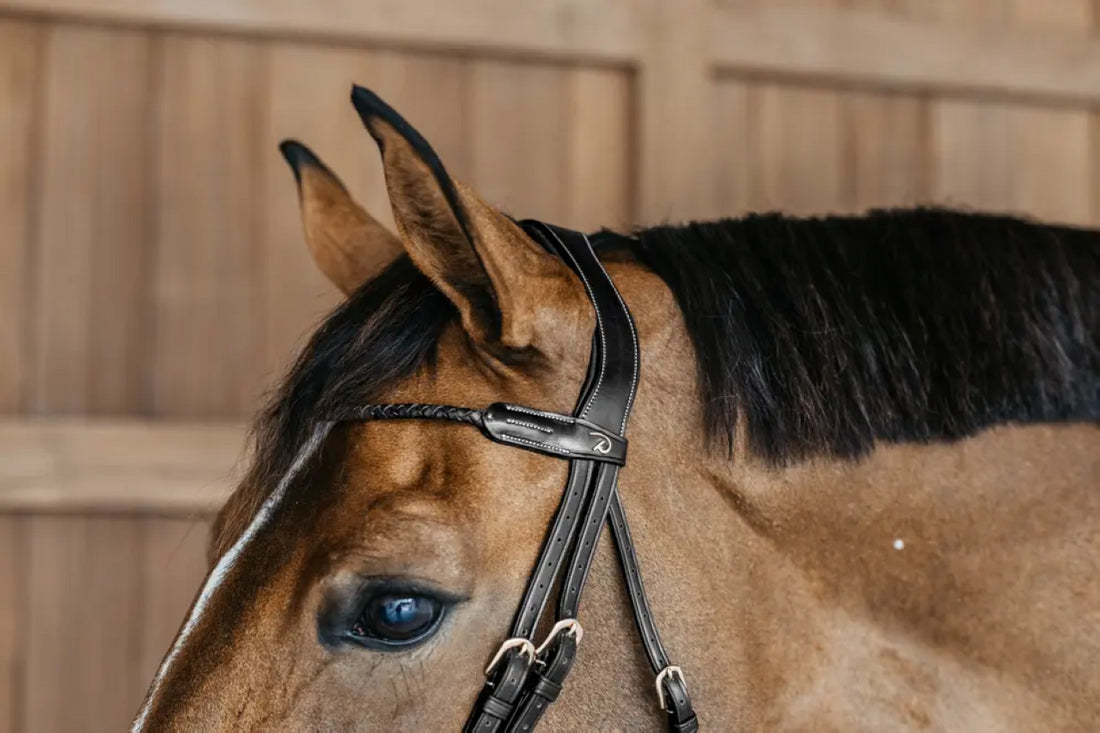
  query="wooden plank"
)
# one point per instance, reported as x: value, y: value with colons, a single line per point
x: 82, y: 624
x: 799, y: 163
x: 91, y: 271
x: 116, y: 466
x: 604, y: 30
x: 12, y: 632
x: 903, y: 53
x: 1073, y: 15
x: 898, y: 48
x: 886, y: 135
x: 1051, y: 159
x: 53, y: 553
x: 1002, y: 157
x: 1005, y: 156
x: 208, y: 352
x: 971, y: 162
x: 733, y: 147
x: 1051, y: 147
x: 988, y: 13
x: 520, y: 138
x: 599, y: 115
x: 20, y: 61
x: 674, y: 116
x: 173, y: 565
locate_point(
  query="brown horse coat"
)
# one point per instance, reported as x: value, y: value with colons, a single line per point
x: 945, y: 581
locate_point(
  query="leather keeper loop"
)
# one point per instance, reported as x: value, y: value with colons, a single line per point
x: 547, y: 688
x: 496, y: 708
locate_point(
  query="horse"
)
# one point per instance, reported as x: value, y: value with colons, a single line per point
x: 862, y: 474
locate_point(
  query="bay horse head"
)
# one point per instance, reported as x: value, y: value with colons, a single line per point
x: 846, y: 434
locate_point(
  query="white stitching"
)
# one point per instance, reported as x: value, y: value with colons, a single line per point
x: 531, y: 425
x: 540, y: 446
x: 599, y: 319
x: 539, y: 413
x: 633, y: 336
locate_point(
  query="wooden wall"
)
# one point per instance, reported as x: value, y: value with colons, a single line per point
x: 151, y: 263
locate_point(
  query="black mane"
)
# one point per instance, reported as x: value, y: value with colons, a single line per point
x: 824, y: 334
x: 912, y: 325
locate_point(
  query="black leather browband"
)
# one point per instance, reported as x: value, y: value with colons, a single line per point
x: 560, y: 436
x: 523, y: 679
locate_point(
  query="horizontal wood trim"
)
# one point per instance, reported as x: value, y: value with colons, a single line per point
x: 604, y: 30
x: 865, y: 47
x: 63, y: 465
x: 834, y: 44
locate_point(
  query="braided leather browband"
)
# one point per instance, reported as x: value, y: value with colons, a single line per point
x: 522, y: 679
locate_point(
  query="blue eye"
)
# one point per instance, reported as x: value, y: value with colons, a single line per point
x: 398, y: 619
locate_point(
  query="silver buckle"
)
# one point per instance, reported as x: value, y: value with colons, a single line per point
x: 668, y: 672
x: 525, y: 648
x: 568, y: 625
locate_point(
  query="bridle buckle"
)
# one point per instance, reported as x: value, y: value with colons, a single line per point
x: 526, y: 648
x: 568, y: 625
x: 668, y: 672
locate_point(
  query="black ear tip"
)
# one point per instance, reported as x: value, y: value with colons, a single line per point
x: 298, y: 156
x: 370, y: 106
x: 366, y: 101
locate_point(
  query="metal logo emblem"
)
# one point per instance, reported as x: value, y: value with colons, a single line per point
x: 603, y: 443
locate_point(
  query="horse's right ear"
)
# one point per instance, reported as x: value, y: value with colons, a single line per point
x: 348, y: 244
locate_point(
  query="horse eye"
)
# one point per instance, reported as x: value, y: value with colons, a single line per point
x: 398, y: 619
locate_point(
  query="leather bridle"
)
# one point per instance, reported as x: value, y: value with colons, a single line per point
x: 524, y: 678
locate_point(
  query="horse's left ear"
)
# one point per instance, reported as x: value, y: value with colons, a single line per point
x: 508, y: 290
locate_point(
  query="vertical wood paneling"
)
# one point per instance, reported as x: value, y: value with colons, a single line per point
x: 82, y: 626
x: 12, y: 628
x: 597, y: 190
x: 1012, y: 156
x: 1052, y: 177
x: 173, y: 565
x: 90, y: 294
x: 886, y: 135
x: 1074, y: 15
x: 208, y: 311
x: 307, y: 100
x: 800, y: 163
x: 520, y: 138
x: 673, y: 125
x: 1052, y: 147
x: 971, y: 160
x: 809, y: 150
x: 19, y: 80
x: 734, y: 147
x: 141, y: 187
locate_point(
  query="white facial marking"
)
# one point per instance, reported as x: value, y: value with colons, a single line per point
x: 899, y: 544
x: 224, y: 565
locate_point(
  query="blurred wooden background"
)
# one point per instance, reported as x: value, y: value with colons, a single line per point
x: 153, y: 280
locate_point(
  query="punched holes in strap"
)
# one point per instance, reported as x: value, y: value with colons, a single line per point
x: 507, y: 674
x: 672, y: 697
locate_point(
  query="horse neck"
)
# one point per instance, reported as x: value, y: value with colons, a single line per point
x: 765, y: 578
